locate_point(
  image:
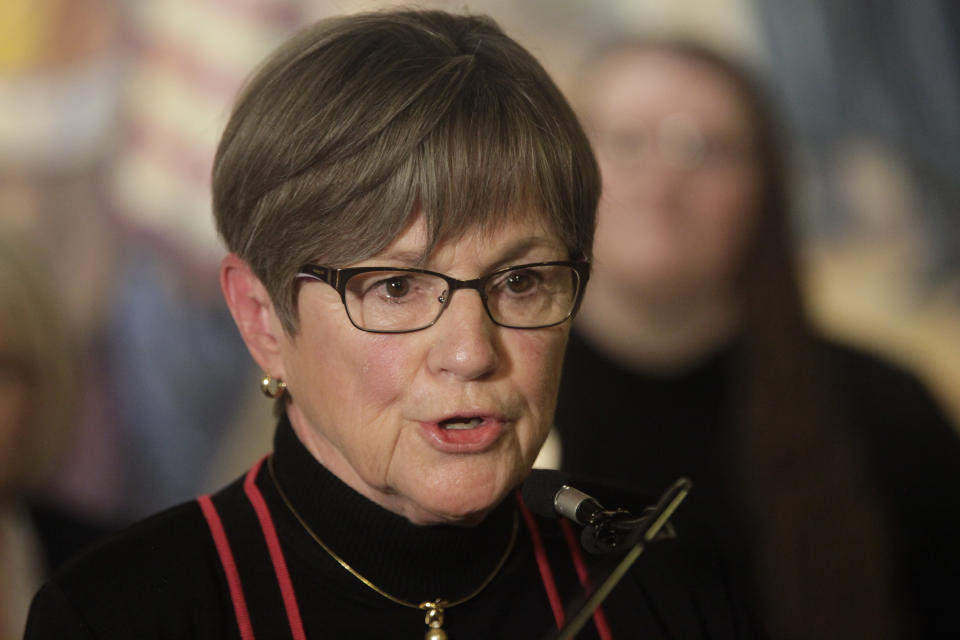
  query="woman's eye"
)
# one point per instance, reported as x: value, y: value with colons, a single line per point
x: 396, y: 287
x: 520, y: 282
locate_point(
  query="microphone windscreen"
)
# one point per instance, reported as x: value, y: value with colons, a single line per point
x: 539, y: 490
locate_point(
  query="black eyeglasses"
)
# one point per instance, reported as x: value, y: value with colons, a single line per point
x: 399, y: 300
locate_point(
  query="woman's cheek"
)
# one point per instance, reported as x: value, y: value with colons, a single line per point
x: 387, y: 369
x: 541, y: 356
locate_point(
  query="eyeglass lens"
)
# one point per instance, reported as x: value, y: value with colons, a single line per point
x: 678, y: 140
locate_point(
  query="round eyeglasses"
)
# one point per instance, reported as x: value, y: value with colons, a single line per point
x: 678, y: 140
x: 400, y: 300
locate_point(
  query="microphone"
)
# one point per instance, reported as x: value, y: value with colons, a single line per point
x: 577, y: 506
x: 651, y: 527
x: 548, y: 493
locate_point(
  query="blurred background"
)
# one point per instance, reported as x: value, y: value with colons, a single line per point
x: 110, y: 112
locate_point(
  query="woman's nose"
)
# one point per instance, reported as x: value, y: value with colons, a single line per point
x: 464, y: 339
x: 651, y: 183
x: 662, y: 181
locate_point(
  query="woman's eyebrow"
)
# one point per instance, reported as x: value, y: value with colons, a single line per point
x: 520, y: 249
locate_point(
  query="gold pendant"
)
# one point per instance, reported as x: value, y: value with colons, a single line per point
x: 434, y: 619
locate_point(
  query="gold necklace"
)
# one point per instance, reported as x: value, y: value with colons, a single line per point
x: 434, y: 609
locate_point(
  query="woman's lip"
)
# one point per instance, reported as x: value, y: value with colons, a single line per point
x: 471, y: 440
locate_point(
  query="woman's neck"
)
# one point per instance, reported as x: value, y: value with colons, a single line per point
x: 664, y: 333
x: 404, y: 559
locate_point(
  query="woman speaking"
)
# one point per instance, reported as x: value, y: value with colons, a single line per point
x: 408, y: 203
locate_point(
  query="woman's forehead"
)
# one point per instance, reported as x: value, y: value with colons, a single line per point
x: 514, y: 237
x: 647, y: 82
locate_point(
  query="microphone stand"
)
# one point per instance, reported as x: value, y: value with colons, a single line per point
x: 656, y: 519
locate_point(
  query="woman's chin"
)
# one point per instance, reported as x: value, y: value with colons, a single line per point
x: 452, y: 506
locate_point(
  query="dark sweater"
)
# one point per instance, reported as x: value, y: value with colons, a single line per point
x: 643, y: 430
x: 163, y: 579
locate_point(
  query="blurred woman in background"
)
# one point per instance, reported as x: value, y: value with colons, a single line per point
x: 37, y: 394
x: 828, y: 475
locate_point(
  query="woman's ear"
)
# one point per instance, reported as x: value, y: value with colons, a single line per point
x: 253, y: 311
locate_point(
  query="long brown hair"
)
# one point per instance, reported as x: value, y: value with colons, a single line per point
x: 38, y: 347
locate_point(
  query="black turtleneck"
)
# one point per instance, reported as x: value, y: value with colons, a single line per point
x: 163, y: 578
x: 408, y: 561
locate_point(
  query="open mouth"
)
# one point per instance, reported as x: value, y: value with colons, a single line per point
x: 461, y: 423
x: 464, y: 433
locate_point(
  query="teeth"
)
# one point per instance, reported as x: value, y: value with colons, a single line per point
x: 469, y: 424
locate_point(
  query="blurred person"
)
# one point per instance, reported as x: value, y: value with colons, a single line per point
x: 38, y: 384
x: 178, y: 438
x: 146, y: 426
x: 175, y: 359
x: 408, y: 202
x: 831, y: 477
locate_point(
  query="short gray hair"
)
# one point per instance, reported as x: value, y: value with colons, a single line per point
x: 359, y: 121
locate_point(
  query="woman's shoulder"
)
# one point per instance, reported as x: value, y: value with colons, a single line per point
x: 151, y: 541
x: 875, y: 381
x: 63, y: 533
x: 158, y: 577
x: 896, y: 414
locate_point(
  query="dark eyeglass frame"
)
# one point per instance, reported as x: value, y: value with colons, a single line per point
x: 338, y: 278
